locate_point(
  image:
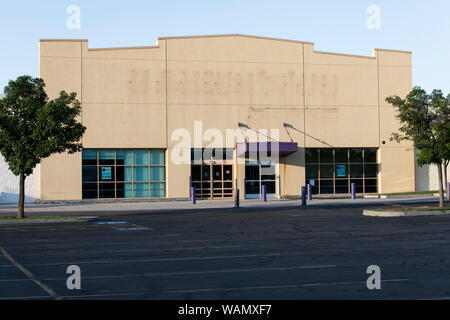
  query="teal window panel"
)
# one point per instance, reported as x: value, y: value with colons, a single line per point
x: 140, y: 174
x: 128, y: 174
x: 89, y: 157
x: 106, y: 157
x: 124, y: 157
x: 128, y: 190
x: 89, y: 154
x: 157, y: 157
x: 157, y: 173
x: 157, y: 190
x: 140, y: 190
x: 140, y: 157
x: 106, y: 154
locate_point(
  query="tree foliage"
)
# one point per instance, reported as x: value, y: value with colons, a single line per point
x: 33, y: 128
x: 425, y: 120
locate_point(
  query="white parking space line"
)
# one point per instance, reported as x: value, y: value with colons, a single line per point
x: 25, y: 298
x: 112, y: 236
x: 100, y: 295
x: 293, y: 286
x: 50, y: 253
x: 16, y: 280
x: 29, y: 274
x: 168, y: 274
x: 158, y: 259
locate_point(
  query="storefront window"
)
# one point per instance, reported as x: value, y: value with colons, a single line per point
x: 312, y: 155
x: 137, y: 174
x: 332, y: 171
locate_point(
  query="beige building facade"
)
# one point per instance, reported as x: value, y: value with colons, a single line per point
x: 154, y: 113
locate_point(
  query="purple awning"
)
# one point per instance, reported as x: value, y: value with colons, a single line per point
x: 284, y: 148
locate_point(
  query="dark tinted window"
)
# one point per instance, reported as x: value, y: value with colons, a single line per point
x: 312, y: 155
x: 312, y: 171
x: 89, y: 157
x: 370, y: 170
x: 252, y: 173
x: 326, y: 156
x: 89, y: 174
x: 342, y: 186
x: 106, y: 190
x: 341, y: 155
x: 356, y: 170
x: 359, y: 185
x: 252, y: 188
x: 371, y: 185
x: 356, y: 155
x: 326, y: 171
x: 228, y: 174
x: 196, y: 173
x: 342, y: 166
x: 370, y: 155
x: 270, y: 187
x: 217, y: 172
x: 206, y: 172
x: 89, y: 190
x: 326, y: 187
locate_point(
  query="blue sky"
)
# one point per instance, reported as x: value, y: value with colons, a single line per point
x: 338, y: 26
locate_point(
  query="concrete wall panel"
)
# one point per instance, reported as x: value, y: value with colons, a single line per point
x: 130, y: 101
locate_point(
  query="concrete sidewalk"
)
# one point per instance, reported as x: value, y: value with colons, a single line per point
x: 33, y: 209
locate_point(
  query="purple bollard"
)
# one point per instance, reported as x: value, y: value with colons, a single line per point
x: 353, y: 191
x: 309, y: 192
x: 193, y: 195
x: 264, y: 193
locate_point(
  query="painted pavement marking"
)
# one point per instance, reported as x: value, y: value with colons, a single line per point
x: 29, y: 274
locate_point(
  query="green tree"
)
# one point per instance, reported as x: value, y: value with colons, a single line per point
x: 32, y: 128
x: 446, y: 160
x: 425, y: 120
x: 445, y: 123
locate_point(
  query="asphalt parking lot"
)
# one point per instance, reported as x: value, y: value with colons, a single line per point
x: 319, y: 252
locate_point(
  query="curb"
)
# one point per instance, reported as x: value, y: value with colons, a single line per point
x: 43, y: 221
x: 416, y: 196
x: 396, y: 214
x: 100, y: 201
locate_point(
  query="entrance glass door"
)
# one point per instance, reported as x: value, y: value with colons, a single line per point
x: 256, y: 176
x: 252, y: 181
x: 217, y: 181
x: 213, y: 181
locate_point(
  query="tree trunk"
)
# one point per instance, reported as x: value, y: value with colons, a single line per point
x: 20, y: 208
x: 445, y: 175
x: 441, y: 189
